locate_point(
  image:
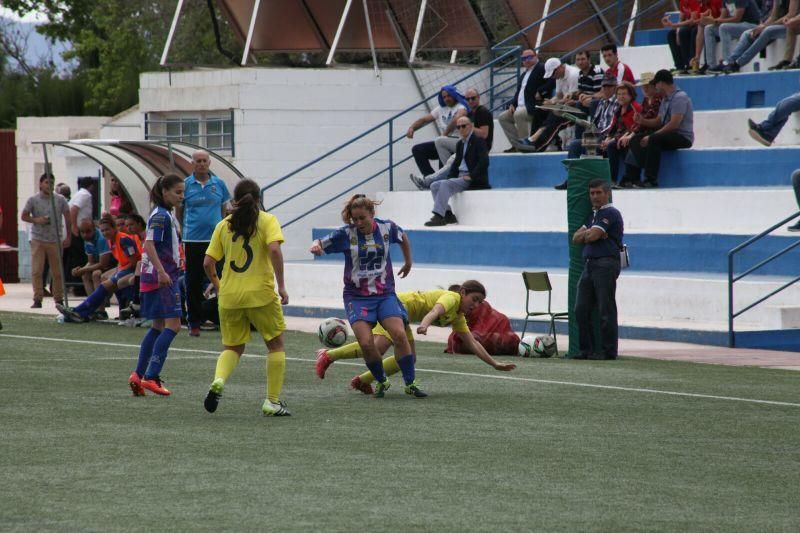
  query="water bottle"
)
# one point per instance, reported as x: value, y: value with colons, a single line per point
x: 60, y: 318
x: 756, y: 66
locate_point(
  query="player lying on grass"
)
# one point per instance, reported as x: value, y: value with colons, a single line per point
x: 249, y: 240
x: 160, y: 293
x: 369, y: 296
x: 438, y: 307
x: 127, y: 250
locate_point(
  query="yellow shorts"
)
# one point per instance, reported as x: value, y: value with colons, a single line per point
x: 234, y: 324
x: 378, y: 330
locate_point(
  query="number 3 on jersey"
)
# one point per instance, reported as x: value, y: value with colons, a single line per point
x: 248, y: 259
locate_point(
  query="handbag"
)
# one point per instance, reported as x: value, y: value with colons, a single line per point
x: 624, y: 258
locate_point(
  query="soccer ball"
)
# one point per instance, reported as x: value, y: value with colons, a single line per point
x: 544, y: 346
x: 525, y: 348
x: 333, y: 332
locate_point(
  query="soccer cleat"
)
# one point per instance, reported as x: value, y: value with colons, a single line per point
x: 275, y: 409
x: 381, y: 388
x: 135, y: 383
x: 69, y: 314
x: 156, y: 386
x: 414, y: 390
x: 214, y: 394
x: 323, y: 362
x: 357, y: 384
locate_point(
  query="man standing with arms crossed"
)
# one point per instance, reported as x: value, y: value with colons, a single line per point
x: 205, y: 202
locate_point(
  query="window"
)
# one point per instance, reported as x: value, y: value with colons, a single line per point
x: 212, y: 129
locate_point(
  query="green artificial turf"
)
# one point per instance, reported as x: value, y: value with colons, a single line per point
x: 538, y: 452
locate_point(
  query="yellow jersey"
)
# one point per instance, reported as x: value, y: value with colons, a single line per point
x: 419, y: 303
x: 248, y: 279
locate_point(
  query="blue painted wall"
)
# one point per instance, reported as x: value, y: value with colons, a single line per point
x: 700, y: 253
x: 682, y: 168
x: 650, y: 37
x: 740, y: 91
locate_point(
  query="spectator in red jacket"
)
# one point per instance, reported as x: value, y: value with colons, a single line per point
x: 621, y: 125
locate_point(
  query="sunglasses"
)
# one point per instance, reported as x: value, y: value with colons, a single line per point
x: 470, y: 98
x: 525, y: 58
x: 462, y: 126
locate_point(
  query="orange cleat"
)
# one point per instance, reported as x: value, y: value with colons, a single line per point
x: 356, y: 384
x: 135, y: 383
x: 154, y: 385
x: 323, y: 362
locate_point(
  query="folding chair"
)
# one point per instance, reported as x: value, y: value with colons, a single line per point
x: 540, y: 282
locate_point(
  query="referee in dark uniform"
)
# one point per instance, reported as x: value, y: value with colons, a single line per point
x: 602, y: 236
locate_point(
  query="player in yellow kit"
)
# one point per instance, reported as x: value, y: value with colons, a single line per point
x: 438, y: 307
x: 249, y: 240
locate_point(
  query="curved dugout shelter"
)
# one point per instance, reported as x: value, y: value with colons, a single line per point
x: 138, y: 164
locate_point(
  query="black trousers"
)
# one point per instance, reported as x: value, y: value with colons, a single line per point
x: 195, y: 277
x: 597, y: 288
x: 682, y: 52
x: 649, y: 157
x: 423, y: 154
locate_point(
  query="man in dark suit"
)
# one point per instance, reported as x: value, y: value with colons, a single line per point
x: 516, y: 120
x: 470, y: 170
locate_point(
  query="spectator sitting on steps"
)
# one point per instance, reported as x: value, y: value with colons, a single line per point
x: 451, y: 106
x: 483, y: 127
x: 753, y: 41
x: 470, y: 170
x: 766, y: 131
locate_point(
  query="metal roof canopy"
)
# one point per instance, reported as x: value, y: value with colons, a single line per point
x: 342, y: 25
x: 138, y: 164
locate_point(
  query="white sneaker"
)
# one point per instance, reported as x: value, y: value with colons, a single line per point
x: 131, y: 322
x: 417, y: 181
x: 275, y: 409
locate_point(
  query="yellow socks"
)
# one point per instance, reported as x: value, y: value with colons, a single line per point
x: 276, y: 367
x: 348, y: 351
x: 226, y: 364
x: 390, y: 366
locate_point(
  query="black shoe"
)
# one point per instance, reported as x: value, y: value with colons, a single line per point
x: 793, y: 65
x: 601, y: 357
x: 562, y: 186
x: 624, y: 184
x: 37, y: 304
x: 649, y: 184
x: 794, y: 227
x: 702, y: 70
x: 99, y: 315
x: 450, y: 218
x: 214, y: 394
x: 782, y: 64
x: 720, y: 67
x: 758, y: 134
x: 436, y: 220
x: 510, y: 150
x: 730, y: 69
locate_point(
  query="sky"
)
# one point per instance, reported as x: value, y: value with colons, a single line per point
x: 30, y: 17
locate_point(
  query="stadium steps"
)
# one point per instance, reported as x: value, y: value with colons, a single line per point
x: 705, y: 167
x: 652, y: 305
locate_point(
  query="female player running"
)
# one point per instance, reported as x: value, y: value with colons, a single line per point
x: 160, y: 293
x: 369, y: 296
x: 438, y: 307
x: 250, y: 242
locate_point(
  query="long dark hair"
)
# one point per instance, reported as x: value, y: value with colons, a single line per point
x: 246, y: 207
x: 164, y: 183
x: 469, y: 287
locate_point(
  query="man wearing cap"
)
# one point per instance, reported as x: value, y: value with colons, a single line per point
x: 516, y: 119
x: 675, y: 130
x: 566, y: 77
x: 602, y: 119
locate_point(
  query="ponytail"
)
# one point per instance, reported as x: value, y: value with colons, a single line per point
x: 358, y: 201
x: 163, y: 183
x: 469, y: 287
x: 246, y: 209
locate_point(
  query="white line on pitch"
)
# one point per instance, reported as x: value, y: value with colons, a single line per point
x: 446, y: 372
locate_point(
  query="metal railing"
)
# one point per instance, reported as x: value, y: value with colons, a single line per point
x: 505, y: 54
x: 733, y: 278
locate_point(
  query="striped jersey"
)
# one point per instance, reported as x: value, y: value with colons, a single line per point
x: 367, y: 265
x: 162, y: 230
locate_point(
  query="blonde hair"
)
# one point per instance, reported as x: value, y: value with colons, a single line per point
x: 358, y: 201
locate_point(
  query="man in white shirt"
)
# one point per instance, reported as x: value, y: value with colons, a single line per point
x: 452, y: 105
x: 567, y: 92
x: 80, y: 206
